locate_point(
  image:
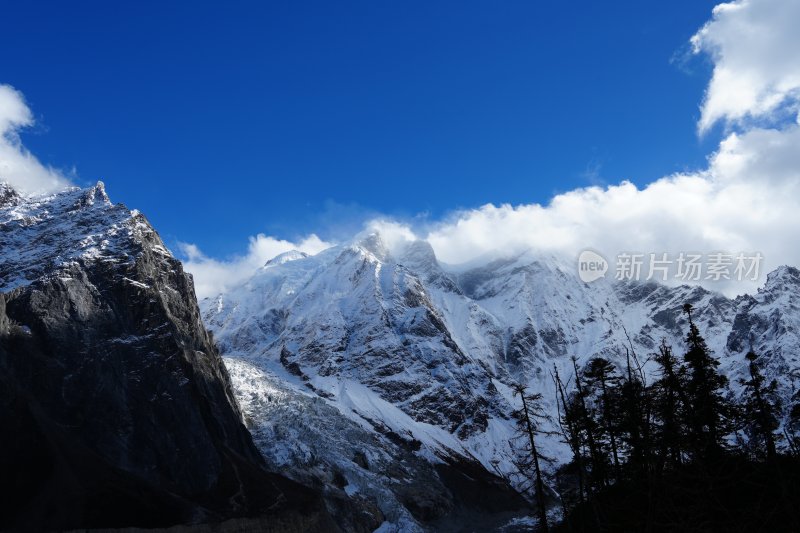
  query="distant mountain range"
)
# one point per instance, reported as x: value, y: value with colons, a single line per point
x: 413, y: 355
x: 375, y: 382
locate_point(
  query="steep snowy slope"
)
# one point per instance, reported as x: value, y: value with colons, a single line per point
x: 395, y: 340
x: 115, y: 407
x: 355, y: 314
x: 379, y: 470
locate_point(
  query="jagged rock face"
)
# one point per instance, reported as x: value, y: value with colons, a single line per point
x: 367, y: 320
x: 118, y: 408
x: 394, y: 340
x: 768, y: 322
x: 358, y: 328
x: 377, y: 469
x: 431, y: 342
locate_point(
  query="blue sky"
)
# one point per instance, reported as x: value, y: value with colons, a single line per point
x: 220, y: 121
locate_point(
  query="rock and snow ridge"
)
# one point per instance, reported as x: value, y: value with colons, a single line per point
x: 397, y: 342
x: 95, y: 311
x: 43, y: 233
x: 382, y: 375
x: 117, y: 407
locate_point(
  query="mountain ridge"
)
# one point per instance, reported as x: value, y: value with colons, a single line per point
x: 121, y: 409
x: 373, y: 331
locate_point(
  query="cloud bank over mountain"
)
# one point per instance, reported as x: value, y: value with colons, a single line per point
x: 744, y: 201
x: 213, y: 276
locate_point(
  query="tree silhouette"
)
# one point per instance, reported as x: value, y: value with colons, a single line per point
x: 760, y: 409
x: 635, y: 424
x: 669, y: 403
x: 568, y: 422
x: 528, y: 458
x: 587, y: 426
x: 603, y: 377
x: 675, y: 463
x: 707, y: 413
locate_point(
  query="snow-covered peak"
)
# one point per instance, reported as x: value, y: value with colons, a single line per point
x: 398, y: 343
x: 39, y: 234
x: 372, y: 244
x: 92, y: 195
x: 285, y: 257
x: 782, y: 276
x: 418, y: 252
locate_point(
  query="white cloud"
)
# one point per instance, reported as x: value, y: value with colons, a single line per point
x: 17, y: 165
x: 755, y: 45
x: 393, y: 234
x: 746, y: 201
x: 213, y: 276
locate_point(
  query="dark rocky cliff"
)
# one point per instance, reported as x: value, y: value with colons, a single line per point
x: 115, y: 406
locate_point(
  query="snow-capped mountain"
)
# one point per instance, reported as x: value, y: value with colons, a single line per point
x: 377, y: 375
x: 391, y: 342
x: 115, y: 406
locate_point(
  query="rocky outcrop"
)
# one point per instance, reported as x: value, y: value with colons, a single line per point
x: 115, y: 406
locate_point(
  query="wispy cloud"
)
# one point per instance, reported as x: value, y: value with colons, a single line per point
x: 18, y: 166
x: 213, y: 276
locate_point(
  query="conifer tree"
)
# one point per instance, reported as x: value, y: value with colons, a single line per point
x: 669, y: 403
x: 760, y: 409
x: 603, y: 377
x: 791, y: 430
x: 528, y: 460
x: 669, y: 440
x: 634, y: 419
x: 708, y: 413
x: 568, y: 423
x: 588, y: 428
